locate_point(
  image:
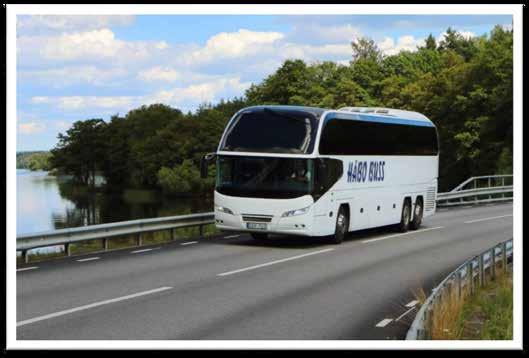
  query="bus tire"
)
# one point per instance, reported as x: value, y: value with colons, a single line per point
x: 404, y: 224
x: 342, y: 226
x: 417, y: 214
x: 259, y: 236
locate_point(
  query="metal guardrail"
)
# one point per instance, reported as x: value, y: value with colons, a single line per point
x: 480, y: 189
x: 137, y: 227
x: 103, y: 232
x: 464, y: 276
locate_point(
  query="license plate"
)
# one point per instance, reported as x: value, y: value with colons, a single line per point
x: 257, y: 226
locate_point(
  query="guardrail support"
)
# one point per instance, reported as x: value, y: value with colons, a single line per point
x: 105, y: 244
x: 470, y: 277
x: 493, y: 263
x: 173, y: 234
x: 138, y: 239
x: 504, y: 256
x: 25, y: 256
x: 481, y: 267
x: 458, y: 283
x: 68, y: 249
x: 201, y: 231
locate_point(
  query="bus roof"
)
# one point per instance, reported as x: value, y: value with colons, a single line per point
x: 376, y: 114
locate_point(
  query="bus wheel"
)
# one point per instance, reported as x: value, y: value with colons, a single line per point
x: 417, y: 214
x: 259, y: 236
x: 404, y: 224
x: 342, y: 226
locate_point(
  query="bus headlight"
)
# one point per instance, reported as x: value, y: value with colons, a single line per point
x: 287, y: 214
x: 224, y: 210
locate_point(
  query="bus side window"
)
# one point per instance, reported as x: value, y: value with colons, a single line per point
x: 328, y: 171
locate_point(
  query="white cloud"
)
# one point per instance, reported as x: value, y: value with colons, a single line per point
x: 319, y: 33
x: 62, y: 125
x: 31, y: 127
x: 88, y: 46
x: 466, y: 34
x: 60, y: 77
x: 199, y: 93
x: 164, y: 74
x: 404, y: 43
x: 233, y: 45
x: 191, y: 95
x: 38, y: 24
x: 81, y: 102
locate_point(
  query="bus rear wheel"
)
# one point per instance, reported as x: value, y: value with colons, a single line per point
x: 404, y: 224
x: 342, y: 226
x: 259, y: 236
x: 417, y: 214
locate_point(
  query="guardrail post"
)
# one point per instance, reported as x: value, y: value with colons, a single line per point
x: 173, y: 234
x: 25, y: 256
x: 504, y: 256
x: 470, y: 277
x: 493, y: 263
x: 105, y: 244
x: 68, y: 249
x: 458, y: 283
x: 481, y: 271
x: 138, y: 239
x: 201, y: 231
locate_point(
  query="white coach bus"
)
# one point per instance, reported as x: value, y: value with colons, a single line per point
x: 315, y: 172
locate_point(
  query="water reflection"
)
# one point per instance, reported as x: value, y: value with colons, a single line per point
x: 47, y: 202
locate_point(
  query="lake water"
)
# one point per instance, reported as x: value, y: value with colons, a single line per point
x: 46, y: 202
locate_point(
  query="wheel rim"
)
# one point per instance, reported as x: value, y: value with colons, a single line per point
x: 418, y: 210
x: 406, y: 215
x: 341, y: 223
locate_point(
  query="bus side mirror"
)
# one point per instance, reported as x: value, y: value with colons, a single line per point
x: 204, y: 162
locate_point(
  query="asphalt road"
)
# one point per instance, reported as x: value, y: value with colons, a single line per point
x: 232, y: 287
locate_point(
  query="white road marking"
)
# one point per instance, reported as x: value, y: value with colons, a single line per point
x: 88, y: 259
x: 404, y: 233
x: 412, y: 303
x: 189, y: 243
x: 27, y: 268
x: 384, y: 322
x: 274, y: 262
x: 144, y: 250
x: 231, y: 236
x: 492, y: 218
x: 404, y: 314
x: 92, y: 305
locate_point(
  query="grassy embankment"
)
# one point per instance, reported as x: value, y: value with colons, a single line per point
x: 485, y: 315
x: 149, y: 238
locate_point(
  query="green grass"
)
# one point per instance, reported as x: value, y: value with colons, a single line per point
x: 488, y: 314
x: 148, y: 238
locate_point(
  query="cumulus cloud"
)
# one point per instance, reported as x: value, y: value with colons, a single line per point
x: 191, y: 95
x: 233, y: 45
x: 47, y: 24
x: 31, y: 127
x: 60, y: 77
x: 316, y: 33
x: 96, y: 45
x: 466, y: 34
x: 404, y: 43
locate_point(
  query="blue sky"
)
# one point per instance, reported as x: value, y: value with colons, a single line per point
x: 71, y: 68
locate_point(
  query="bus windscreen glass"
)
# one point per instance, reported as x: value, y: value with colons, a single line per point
x: 260, y: 177
x: 271, y: 131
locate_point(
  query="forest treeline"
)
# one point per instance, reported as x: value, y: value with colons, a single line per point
x: 464, y: 85
x: 34, y: 160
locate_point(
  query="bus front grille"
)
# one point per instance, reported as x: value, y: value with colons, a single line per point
x: 255, y: 218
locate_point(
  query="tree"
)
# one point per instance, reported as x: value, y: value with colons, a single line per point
x: 365, y: 49
x: 430, y: 43
x: 80, y: 151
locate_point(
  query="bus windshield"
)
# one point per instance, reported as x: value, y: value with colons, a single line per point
x: 279, y: 178
x: 268, y: 130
